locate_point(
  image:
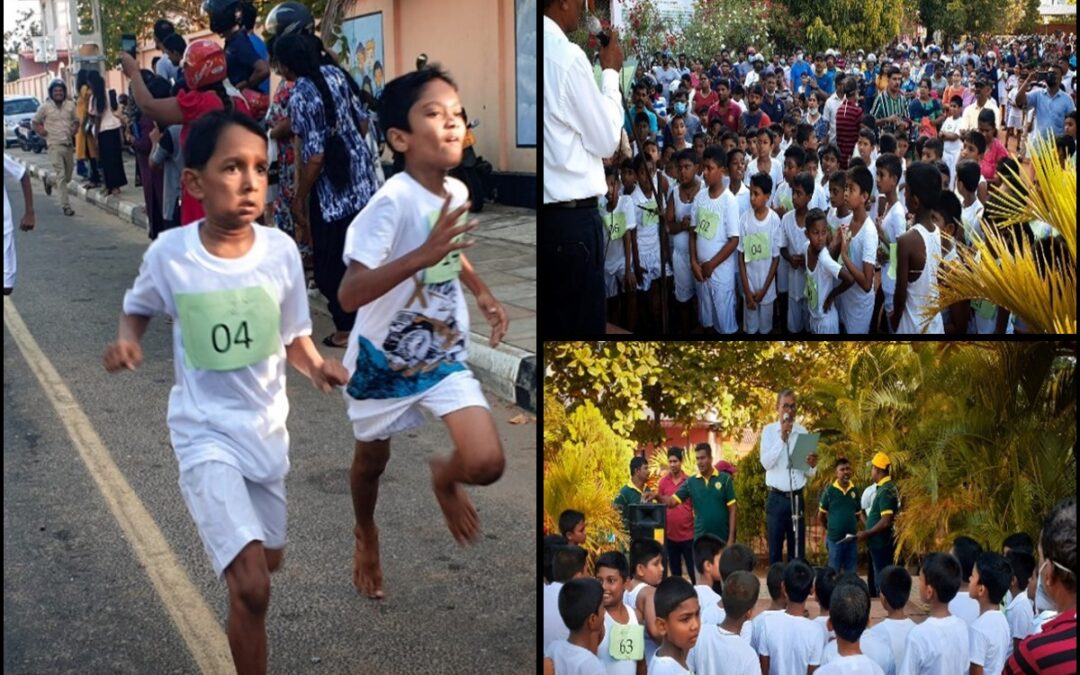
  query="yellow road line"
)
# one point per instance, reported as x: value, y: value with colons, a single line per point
x: 193, y: 619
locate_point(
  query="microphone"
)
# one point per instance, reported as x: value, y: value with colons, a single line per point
x: 787, y: 417
x: 592, y: 24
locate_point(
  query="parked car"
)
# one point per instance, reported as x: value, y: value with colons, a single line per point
x: 16, y: 109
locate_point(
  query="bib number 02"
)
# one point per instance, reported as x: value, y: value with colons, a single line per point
x: 228, y: 330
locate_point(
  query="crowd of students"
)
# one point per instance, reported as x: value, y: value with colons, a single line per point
x: 790, y: 198
x: 985, y: 612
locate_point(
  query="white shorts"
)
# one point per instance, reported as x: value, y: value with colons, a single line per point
x: 722, y: 303
x: 377, y: 419
x: 798, y: 314
x: 685, y: 285
x: 9, y: 259
x: 758, y: 320
x: 231, y: 511
x: 705, y: 313
x: 856, y: 308
x: 826, y: 325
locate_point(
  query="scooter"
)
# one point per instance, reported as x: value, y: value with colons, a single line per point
x: 473, y: 170
x: 28, y: 139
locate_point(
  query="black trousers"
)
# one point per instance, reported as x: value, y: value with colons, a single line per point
x: 677, y: 552
x: 572, y: 273
x: 328, y: 244
x: 778, y: 526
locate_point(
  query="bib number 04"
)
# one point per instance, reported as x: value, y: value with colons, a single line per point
x: 229, y: 330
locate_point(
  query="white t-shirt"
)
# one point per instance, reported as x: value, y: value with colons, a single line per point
x: 781, y: 197
x: 15, y: 170
x: 648, y: 238
x: 991, y: 641
x: 792, y: 643
x: 554, y: 628
x: 860, y: 664
x: 758, y: 270
x: 965, y: 607
x: 820, y: 198
x: 1021, y: 616
x: 893, y: 225
x: 758, y: 625
x: 715, y: 615
x: 719, y: 652
x: 776, y: 171
x: 937, y: 647
x: 823, y: 621
x: 572, y: 660
x: 895, y: 633
x: 795, y: 241
x: 727, y: 210
x: 826, y: 275
x: 416, y: 333
x: 663, y: 665
x: 971, y: 217
x: 615, y: 259
x: 953, y: 126
x: 742, y: 198
x: 873, y: 647
x: 611, y: 665
x: 834, y: 221
x: 706, y: 596
x: 232, y: 416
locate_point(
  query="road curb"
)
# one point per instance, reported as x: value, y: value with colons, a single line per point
x: 509, y: 371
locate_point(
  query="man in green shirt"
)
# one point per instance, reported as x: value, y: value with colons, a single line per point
x: 878, y: 534
x: 838, y: 509
x: 712, y: 495
x: 632, y: 492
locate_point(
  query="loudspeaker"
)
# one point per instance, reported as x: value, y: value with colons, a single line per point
x: 647, y: 521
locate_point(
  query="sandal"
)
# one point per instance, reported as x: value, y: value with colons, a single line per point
x: 329, y: 342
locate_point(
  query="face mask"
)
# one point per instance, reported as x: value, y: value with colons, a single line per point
x: 680, y: 108
x: 1043, y: 602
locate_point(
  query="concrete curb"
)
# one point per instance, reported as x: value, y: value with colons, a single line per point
x: 509, y: 371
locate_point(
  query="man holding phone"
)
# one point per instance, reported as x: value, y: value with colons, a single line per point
x: 1050, y: 105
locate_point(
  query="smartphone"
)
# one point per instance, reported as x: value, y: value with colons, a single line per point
x: 128, y: 42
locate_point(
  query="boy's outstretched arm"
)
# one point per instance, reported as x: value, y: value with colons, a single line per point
x: 492, y: 308
x: 363, y: 284
x: 325, y: 374
x: 126, y: 352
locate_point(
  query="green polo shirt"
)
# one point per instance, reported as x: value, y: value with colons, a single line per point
x: 840, y: 508
x: 711, y: 499
x: 886, y: 502
x: 628, y: 495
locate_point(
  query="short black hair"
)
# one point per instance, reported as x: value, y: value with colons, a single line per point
x: 736, y: 558
x: 703, y: 446
x: 762, y: 181
x: 894, y: 582
x: 798, y: 579
x: 174, y: 42
x: 924, y: 182
x: 803, y: 131
x: 614, y: 560
x: 569, y: 519
x: 401, y: 93
x: 687, y: 155
x: 705, y: 549
x: 1058, y: 541
x: 773, y: 577
x: 162, y: 29
x: 805, y: 181
x: 976, y: 139
x: 850, y: 611
x: 716, y: 154
x: 551, y: 543
x: 935, y: 145
x: 203, y: 138
x: 890, y: 164
x: 824, y: 583
x: 986, y: 116
x: 1019, y: 541
x: 797, y: 153
x: 966, y: 551
x: 671, y: 593
x: 814, y: 215
x: 839, y: 177
x: 578, y: 600
x: 675, y: 451
x: 942, y: 573
x: 995, y: 573
x: 1022, y: 564
x: 841, y: 461
x: 869, y: 134
x: 968, y: 174
x: 636, y: 463
x: 644, y: 551
x: 568, y: 562
x: 861, y: 177
x: 740, y: 593
x: 731, y: 155
x: 887, y: 143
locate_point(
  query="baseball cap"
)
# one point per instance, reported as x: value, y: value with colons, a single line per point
x: 881, y: 461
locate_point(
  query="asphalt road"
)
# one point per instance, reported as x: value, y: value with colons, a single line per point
x: 76, y: 598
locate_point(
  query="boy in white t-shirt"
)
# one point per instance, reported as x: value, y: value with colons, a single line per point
x: 760, y: 238
x: 793, y: 250
x: 857, y: 249
x: 707, y: 551
x: 839, y: 215
x: 890, y: 224
x: 618, y: 214
x: 720, y: 648
x: 848, y: 616
x: 613, y: 571
x: 824, y: 582
x: 581, y: 608
x: 938, y: 645
x: 238, y: 301
x: 991, y: 640
x: 678, y: 616
x: 714, y: 225
x: 568, y: 562
x: 966, y: 551
x: 1020, y: 611
x: 13, y: 169
x: 647, y: 568
x: 826, y: 279
x: 774, y: 583
x: 952, y: 130
x: 735, y: 558
x: 790, y: 642
x: 407, y: 351
x: 894, y: 582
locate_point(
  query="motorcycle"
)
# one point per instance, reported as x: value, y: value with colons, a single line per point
x: 28, y: 139
x: 473, y: 170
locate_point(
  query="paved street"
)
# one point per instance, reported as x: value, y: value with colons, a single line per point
x: 77, y: 598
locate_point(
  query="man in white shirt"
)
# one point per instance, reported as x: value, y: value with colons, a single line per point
x: 831, y: 104
x: 785, y: 484
x: 581, y: 128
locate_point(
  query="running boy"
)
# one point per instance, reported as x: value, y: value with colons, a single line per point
x: 759, y: 255
x: 678, y: 618
x: 238, y: 301
x: 407, y: 350
x: 13, y: 169
x: 938, y: 645
x: 918, y: 254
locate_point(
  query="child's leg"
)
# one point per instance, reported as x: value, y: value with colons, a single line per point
x: 249, y: 595
x: 369, y: 462
x: 477, y: 460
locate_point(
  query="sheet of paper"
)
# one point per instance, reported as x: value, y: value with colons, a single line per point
x: 805, y: 444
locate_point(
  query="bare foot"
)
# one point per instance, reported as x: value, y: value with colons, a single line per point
x: 461, y: 517
x: 367, y: 572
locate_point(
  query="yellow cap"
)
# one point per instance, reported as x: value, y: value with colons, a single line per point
x: 881, y: 460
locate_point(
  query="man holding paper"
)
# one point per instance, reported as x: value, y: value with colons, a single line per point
x: 837, y: 512
x: 788, y: 462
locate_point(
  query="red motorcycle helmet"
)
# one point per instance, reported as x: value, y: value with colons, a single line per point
x: 203, y: 64
x: 258, y: 103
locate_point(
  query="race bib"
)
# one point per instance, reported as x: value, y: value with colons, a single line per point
x: 984, y: 309
x: 228, y: 330
x: 892, y: 261
x: 708, y: 224
x: 786, y: 203
x: 756, y: 247
x: 615, y: 224
x: 649, y: 213
x: 811, y: 289
x: 627, y: 642
x: 449, y: 267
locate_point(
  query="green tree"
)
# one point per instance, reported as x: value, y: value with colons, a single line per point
x: 848, y: 24
x: 719, y: 24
